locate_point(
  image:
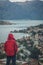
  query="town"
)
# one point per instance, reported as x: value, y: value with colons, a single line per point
x: 26, y: 45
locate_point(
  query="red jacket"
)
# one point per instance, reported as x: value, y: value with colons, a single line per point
x: 10, y: 46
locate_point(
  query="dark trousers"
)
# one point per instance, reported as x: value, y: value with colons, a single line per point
x: 9, y: 58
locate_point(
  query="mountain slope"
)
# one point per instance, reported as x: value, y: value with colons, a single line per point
x: 27, y: 10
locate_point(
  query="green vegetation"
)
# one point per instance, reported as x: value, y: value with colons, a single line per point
x: 2, y: 56
x: 35, y: 52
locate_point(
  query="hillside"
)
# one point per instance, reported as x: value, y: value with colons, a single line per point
x: 21, y: 10
x: 5, y: 23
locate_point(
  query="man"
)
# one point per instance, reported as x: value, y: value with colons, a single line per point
x: 11, y: 49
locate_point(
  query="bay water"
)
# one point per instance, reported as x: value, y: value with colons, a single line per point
x: 18, y: 25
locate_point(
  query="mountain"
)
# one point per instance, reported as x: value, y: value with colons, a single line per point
x: 32, y: 10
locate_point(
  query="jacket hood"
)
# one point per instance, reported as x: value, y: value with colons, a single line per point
x: 10, y: 36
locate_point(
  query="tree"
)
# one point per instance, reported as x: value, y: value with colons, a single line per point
x: 35, y: 52
x: 33, y: 33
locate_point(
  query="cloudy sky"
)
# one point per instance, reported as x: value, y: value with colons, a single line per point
x: 21, y: 0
